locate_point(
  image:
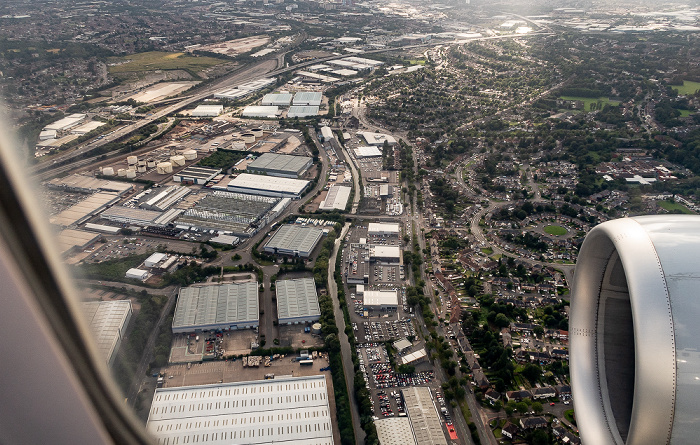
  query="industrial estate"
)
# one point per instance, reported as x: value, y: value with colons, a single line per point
x: 337, y: 222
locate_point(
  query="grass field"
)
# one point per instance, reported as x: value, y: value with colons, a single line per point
x: 688, y: 87
x: 555, y: 230
x: 685, y: 113
x: 486, y: 250
x: 587, y: 101
x: 156, y: 60
x: 417, y: 61
x: 674, y: 207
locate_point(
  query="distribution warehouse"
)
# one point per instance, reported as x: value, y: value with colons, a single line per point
x: 294, y: 240
x: 292, y: 410
x: 108, y: 320
x: 336, y: 199
x: 297, y: 301
x: 382, y: 229
x: 267, y: 185
x: 220, y: 306
x: 280, y: 165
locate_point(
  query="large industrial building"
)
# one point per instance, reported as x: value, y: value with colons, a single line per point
x: 308, y: 98
x: 425, y: 420
x: 294, y: 240
x: 261, y: 111
x: 277, y: 99
x: 267, y: 186
x: 297, y: 301
x: 336, y: 199
x: 383, y: 229
x: 196, y: 175
x: 221, y: 306
x: 108, y: 321
x: 385, y: 254
x: 381, y: 300
x: 207, y: 111
x: 280, y: 165
x: 293, y: 410
x: 85, y: 209
x: 302, y: 111
x: 395, y: 431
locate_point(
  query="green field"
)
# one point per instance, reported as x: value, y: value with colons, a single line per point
x: 587, y: 101
x: 156, y: 60
x: 688, y: 87
x: 417, y: 61
x: 555, y: 230
x: 674, y: 207
x: 685, y: 113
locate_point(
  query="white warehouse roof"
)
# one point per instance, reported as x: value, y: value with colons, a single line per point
x: 108, y: 321
x: 283, y: 410
x: 377, y: 138
x: 385, y: 252
x: 278, y: 99
x: 380, y: 298
x: 367, y: 152
x: 307, y: 98
x: 297, y: 300
x: 382, y: 228
x: 337, y: 198
x: 222, y: 306
x: 260, y: 111
x: 267, y: 185
x: 208, y: 110
x: 395, y: 431
x: 302, y: 111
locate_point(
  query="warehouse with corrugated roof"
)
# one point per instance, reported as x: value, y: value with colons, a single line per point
x: 294, y: 240
x: 280, y: 165
x: 297, y: 301
x: 219, y: 306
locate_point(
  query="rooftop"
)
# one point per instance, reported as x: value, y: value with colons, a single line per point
x: 292, y: 237
x: 222, y: 304
x: 297, y: 298
x: 283, y: 410
x: 271, y: 183
x: 280, y: 162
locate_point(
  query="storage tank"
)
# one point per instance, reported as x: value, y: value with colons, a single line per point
x: 151, y: 163
x: 190, y: 155
x: 141, y: 168
x: 121, y: 172
x: 163, y: 168
x: 248, y: 138
x: 257, y: 132
x: 130, y: 173
x: 131, y: 160
x: 108, y: 171
x: 238, y: 144
x: 177, y: 161
x: 316, y: 328
x: 142, y: 162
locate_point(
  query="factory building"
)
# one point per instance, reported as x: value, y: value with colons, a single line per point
x: 336, y: 199
x: 395, y: 431
x: 261, y: 111
x: 108, y: 321
x: 280, y: 165
x: 383, y: 229
x: 154, y: 259
x: 380, y: 300
x: 85, y: 209
x: 74, y: 239
x: 385, y: 254
x: 208, y: 111
x: 292, y: 410
x: 294, y: 240
x: 425, y: 421
x: 163, y: 199
x: 196, y: 175
x: 308, y: 98
x: 267, y: 186
x: 302, y: 111
x: 277, y: 99
x: 297, y: 301
x: 244, y: 89
x: 220, y: 306
x: 66, y: 123
x: 128, y: 215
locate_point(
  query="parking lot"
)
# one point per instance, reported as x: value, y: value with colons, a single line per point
x: 379, y: 331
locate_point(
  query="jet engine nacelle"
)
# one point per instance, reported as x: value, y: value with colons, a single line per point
x: 635, y: 332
